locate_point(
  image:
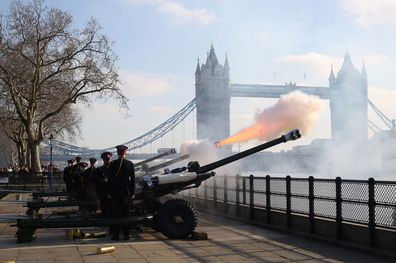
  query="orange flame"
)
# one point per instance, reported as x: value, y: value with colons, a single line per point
x: 293, y: 110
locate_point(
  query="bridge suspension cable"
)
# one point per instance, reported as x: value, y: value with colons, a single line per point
x: 388, y: 122
x: 147, y: 138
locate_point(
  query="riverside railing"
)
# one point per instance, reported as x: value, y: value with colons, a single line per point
x: 29, y: 181
x: 369, y: 203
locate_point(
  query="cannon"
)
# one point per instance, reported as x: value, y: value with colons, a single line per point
x: 174, y: 217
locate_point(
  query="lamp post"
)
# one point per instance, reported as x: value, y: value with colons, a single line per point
x: 51, y: 137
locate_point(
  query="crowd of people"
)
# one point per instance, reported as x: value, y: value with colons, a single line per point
x: 109, y: 187
x: 24, y: 168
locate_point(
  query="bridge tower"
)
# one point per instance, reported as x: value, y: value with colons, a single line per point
x: 348, y: 104
x: 212, y: 93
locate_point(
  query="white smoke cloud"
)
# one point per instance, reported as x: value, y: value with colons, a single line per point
x: 205, y: 152
x: 367, y: 13
x: 293, y: 110
x: 202, y: 151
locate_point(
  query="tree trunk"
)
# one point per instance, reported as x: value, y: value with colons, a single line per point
x: 27, y: 157
x: 35, y: 166
x: 20, y: 154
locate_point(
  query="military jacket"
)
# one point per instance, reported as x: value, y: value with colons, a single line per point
x: 122, y: 178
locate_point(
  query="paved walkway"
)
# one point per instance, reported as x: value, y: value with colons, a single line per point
x: 229, y: 241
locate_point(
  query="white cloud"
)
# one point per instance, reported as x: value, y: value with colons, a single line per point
x: 320, y: 64
x: 178, y: 13
x: 314, y: 62
x: 263, y: 36
x: 181, y: 14
x: 376, y: 59
x: 144, y: 84
x: 98, y: 111
x: 162, y: 109
x: 368, y: 13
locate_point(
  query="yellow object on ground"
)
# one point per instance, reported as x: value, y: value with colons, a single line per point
x: 102, y: 250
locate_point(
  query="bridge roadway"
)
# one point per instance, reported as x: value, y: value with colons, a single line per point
x: 275, y: 91
x: 229, y: 241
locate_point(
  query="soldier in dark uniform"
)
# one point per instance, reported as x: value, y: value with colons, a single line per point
x: 122, y: 188
x: 88, y: 186
x: 76, y: 174
x: 102, y: 184
x: 68, y: 176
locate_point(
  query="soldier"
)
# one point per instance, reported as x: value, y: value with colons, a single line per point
x: 122, y: 188
x: 77, y: 171
x: 88, y: 186
x: 68, y: 176
x: 102, y: 184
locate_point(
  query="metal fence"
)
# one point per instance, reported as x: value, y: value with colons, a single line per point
x: 29, y: 181
x: 370, y: 203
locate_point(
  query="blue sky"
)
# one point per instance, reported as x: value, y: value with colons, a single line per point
x: 158, y: 43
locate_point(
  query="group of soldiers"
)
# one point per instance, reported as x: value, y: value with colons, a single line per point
x: 111, y: 185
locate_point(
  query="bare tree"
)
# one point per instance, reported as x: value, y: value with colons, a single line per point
x: 12, y: 129
x: 6, y: 150
x: 47, y: 64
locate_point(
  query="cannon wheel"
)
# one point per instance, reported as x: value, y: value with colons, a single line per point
x: 177, y: 218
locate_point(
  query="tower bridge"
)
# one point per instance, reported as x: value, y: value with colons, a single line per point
x: 347, y: 94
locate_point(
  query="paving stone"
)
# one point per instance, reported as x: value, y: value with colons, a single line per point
x: 229, y: 241
x: 126, y: 254
x: 308, y: 253
x: 181, y: 243
x: 135, y: 260
x: 149, y: 246
x: 291, y: 255
x: 232, y: 239
x: 200, y: 243
x: 235, y: 258
x: 270, y: 257
x: 99, y: 258
x: 37, y: 261
x: 310, y: 261
x: 282, y: 245
x: 251, y: 247
x: 334, y: 260
x: 162, y: 260
x: 157, y: 253
x: 194, y: 251
x: 74, y: 259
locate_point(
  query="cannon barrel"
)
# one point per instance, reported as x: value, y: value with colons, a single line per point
x: 171, y: 151
x: 165, y: 164
x: 292, y: 135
